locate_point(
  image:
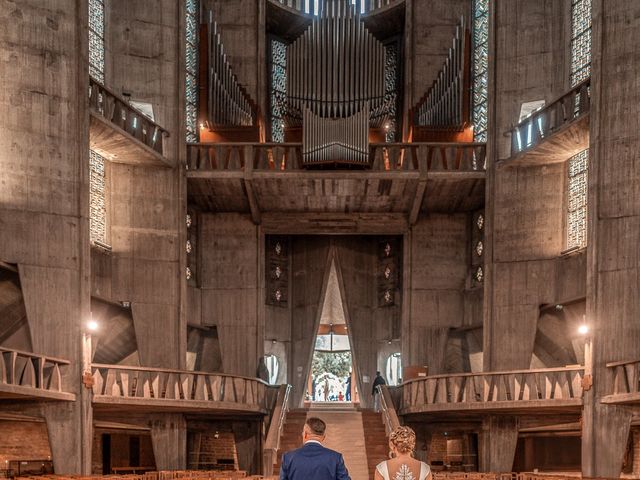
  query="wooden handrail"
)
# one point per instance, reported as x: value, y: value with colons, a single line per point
x: 119, y: 112
x: 563, y: 110
x: 278, y: 418
x: 21, y: 353
x: 389, y: 413
x: 170, y: 370
x: 556, y: 99
x: 505, y: 372
x: 427, y: 156
x: 503, y: 389
x: 131, y: 107
x: 618, y: 364
x: 26, y: 369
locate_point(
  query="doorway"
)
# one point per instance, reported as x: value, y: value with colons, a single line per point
x: 331, y: 378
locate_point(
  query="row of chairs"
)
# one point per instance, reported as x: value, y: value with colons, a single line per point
x: 159, y: 475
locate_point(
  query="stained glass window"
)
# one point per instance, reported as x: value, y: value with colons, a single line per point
x: 577, y: 200
x: 278, y: 88
x: 580, y: 40
x: 97, y: 200
x: 96, y: 39
x: 192, y: 22
x: 391, y: 88
x: 480, y: 76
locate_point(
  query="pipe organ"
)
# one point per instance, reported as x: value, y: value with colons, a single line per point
x: 335, y: 67
x: 229, y: 104
x: 336, y: 78
x: 312, y: 6
x: 336, y: 140
x: 447, y: 101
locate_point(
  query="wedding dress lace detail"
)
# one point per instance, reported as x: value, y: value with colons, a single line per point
x: 404, y: 473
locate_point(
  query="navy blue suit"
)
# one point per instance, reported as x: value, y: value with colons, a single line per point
x: 313, y: 462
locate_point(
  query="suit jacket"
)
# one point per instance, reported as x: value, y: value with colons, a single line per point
x: 313, y: 462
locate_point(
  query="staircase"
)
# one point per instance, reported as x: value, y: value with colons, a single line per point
x: 291, y: 435
x: 377, y: 443
x: 347, y: 429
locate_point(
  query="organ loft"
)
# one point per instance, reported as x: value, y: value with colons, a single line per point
x: 219, y: 218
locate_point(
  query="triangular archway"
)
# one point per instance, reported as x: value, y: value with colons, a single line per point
x: 332, y: 373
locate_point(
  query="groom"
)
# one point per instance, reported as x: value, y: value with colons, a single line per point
x: 313, y: 461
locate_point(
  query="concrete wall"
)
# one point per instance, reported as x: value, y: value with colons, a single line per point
x: 436, y: 267
x: 43, y: 192
x: 146, y: 204
x: 525, y: 210
x: 228, y: 294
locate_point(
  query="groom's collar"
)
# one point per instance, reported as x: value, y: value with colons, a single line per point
x: 312, y: 441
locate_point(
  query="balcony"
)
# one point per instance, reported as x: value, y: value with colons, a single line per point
x: 27, y: 376
x: 403, y: 179
x: 626, y: 383
x: 121, y: 133
x: 142, y: 389
x: 520, y: 391
x: 555, y: 133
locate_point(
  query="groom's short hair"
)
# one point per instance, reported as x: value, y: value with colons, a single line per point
x: 316, y: 425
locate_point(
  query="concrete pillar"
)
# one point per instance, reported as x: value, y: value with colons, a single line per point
x: 497, y: 446
x: 248, y: 440
x: 169, y: 440
x: 613, y: 227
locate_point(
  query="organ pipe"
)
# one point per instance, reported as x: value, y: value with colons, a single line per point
x: 336, y: 140
x: 335, y: 67
x: 229, y: 104
x: 445, y: 103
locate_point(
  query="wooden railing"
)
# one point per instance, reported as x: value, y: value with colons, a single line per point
x: 361, y: 6
x: 23, y: 369
x: 165, y: 384
x: 560, y: 112
x: 278, y: 418
x: 389, y: 414
x: 120, y: 113
x: 626, y: 377
x: 466, y: 389
x: 462, y: 157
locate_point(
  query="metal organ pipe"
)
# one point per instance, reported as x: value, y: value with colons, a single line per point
x: 336, y: 66
x: 228, y: 102
x: 444, y: 102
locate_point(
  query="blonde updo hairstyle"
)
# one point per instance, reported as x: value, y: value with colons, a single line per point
x: 403, y: 439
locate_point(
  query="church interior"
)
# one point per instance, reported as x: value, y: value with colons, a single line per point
x: 221, y: 217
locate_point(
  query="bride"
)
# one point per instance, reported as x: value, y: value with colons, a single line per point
x: 402, y: 465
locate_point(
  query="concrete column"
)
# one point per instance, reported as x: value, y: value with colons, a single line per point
x: 169, y: 440
x: 248, y: 439
x: 497, y: 445
x: 613, y: 227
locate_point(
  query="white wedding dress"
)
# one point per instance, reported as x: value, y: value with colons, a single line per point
x: 403, y: 473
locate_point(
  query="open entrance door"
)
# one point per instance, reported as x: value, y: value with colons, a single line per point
x: 332, y: 376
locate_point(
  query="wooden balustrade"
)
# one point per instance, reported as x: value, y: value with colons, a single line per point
x: 389, y: 414
x: 484, y: 390
x: 361, y: 6
x: 157, y: 384
x: 30, y: 371
x: 626, y: 381
x: 278, y: 418
x: 117, y: 111
x: 448, y: 157
x: 557, y: 114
